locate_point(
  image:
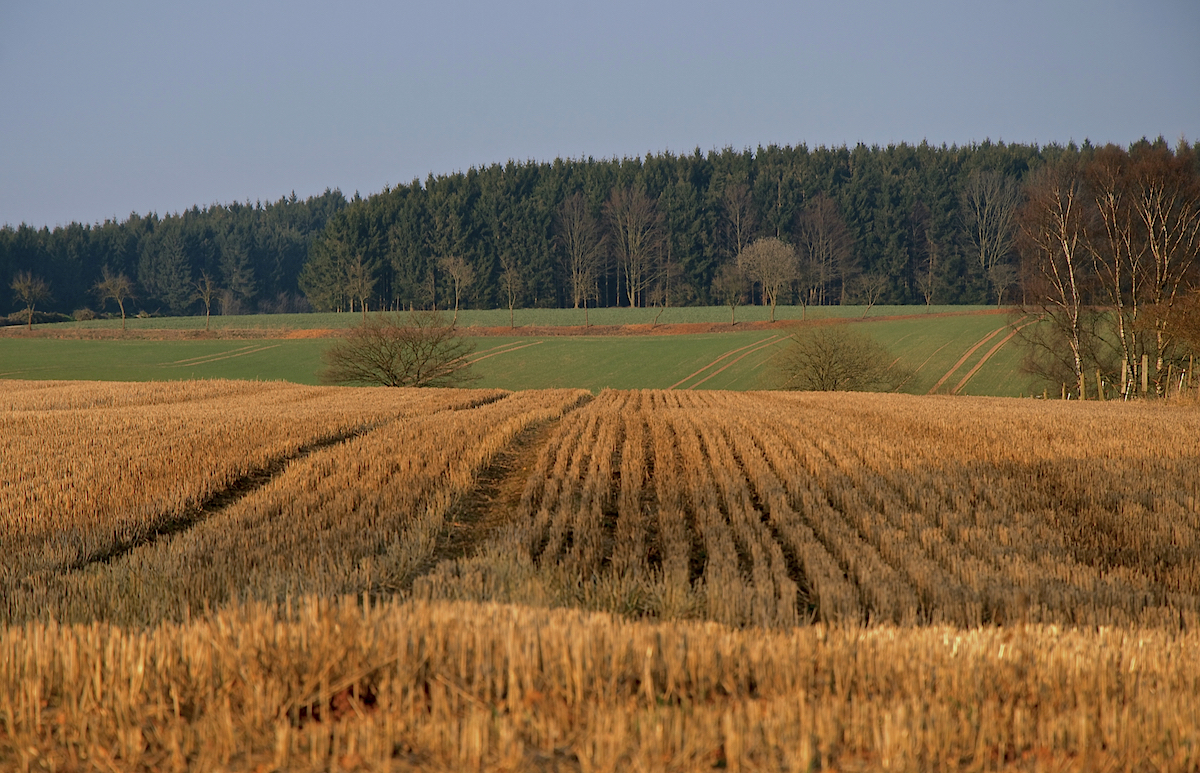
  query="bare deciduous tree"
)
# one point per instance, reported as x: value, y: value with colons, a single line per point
x: 738, y: 203
x: 835, y: 358
x: 1002, y: 276
x: 868, y: 288
x: 461, y: 276
x: 989, y: 204
x: 635, y: 228
x: 114, y: 287
x: 1051, y: 237
x: 206, y: 292
x: 730, y: 286
x: 1166, y: 202
x: 419, y: 349
x: 925, y: 252
x: 513, y: 284
x: 1116, y: 247
x: 828, y: 248
x: 773, y: 264
x: 360, y: 282
x: 583, y: 247
x: 30, y: 290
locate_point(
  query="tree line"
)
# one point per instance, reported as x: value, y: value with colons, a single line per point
x: 878, y: 224
x: 251, y: 253
x: 897, y: 224
x: 1110, y: 248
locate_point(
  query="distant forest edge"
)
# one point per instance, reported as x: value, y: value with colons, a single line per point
x: 644, y: 231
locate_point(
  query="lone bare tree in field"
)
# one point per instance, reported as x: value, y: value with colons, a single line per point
x: 415, y: 350
x: 115, y: 287
x: 636, y: 239
x: 30, y: 290
x: 461, y: 276
x: 206, y: 292
x: 989, y: 205
x: 869, y: 288
x: 583, y: 247
x: 512, y: 283
x: 773, y: 264
x: 730, y: 287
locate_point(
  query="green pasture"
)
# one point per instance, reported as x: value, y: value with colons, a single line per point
x: 468, y: 318
x: 930, y: 346
x: 139, y: 360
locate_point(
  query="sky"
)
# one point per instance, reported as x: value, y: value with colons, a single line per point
x: 123, y: 106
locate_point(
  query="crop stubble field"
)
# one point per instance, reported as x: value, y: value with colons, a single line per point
x: 227, y: 575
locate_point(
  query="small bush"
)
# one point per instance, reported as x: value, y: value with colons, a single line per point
x: 837, y: 359
x: 416, y: 350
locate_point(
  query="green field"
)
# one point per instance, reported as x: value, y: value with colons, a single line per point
x: 930, y: 346
x: 521, y: 317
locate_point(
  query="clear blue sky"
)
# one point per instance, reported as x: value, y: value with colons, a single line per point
x: 113, y: 107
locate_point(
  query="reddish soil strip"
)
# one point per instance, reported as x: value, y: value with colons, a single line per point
x: 964, y: 358
x: 503, y: 351
x: 985, y: 358
x: 714, y: 362
x: 209, y: 360
x: 769, y: 342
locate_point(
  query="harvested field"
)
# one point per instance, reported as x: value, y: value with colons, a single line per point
x: 260, y: 576
x: 488, y: 687
x: 767, y: 509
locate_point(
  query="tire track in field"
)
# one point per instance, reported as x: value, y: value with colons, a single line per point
x: 196, y: 360
x: 209, y: 359
x: 768, y: 342
x: 511, y: 348
x: 964, y: 358
x: 715, y: 362
x: 496, y: 497
x: 988, y: 356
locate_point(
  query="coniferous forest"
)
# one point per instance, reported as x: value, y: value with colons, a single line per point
x: 897, y: 223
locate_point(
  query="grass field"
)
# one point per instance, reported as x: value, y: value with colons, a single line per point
x: 522, y: 317
x: 237, y: 576
x: 930, y: 345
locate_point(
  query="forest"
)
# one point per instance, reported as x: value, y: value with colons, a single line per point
x: 900, y: 224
